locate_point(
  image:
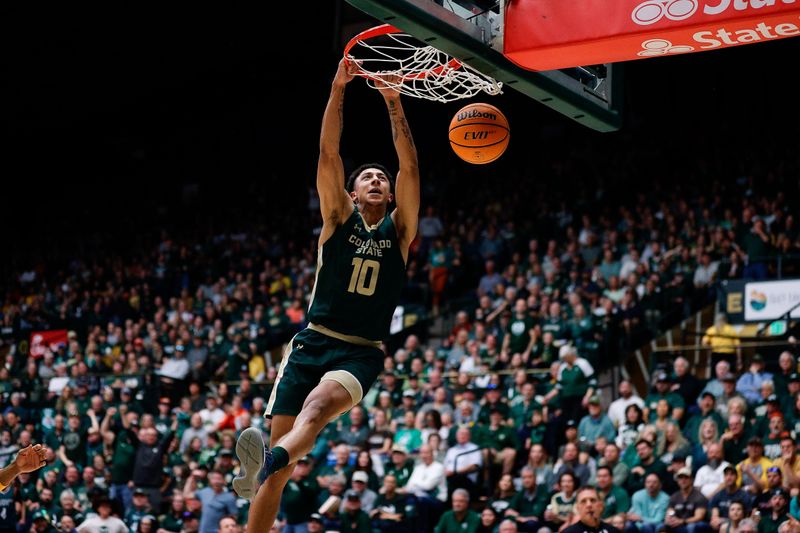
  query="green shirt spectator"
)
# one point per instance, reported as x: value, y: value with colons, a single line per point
x: 523, y: 406
x: 460, y: 519
x: 518, y: 337
x: 299, y: 495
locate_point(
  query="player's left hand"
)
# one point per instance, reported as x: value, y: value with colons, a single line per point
x: 388, y: 85
x: 31, y: 458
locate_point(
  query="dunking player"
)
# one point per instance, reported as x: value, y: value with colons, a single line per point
x: 329, y: 366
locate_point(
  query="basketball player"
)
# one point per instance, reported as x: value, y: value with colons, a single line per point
x: 328, y: 367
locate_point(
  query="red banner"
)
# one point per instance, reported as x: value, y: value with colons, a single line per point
x: 552, y: 34
x: 42, y: 340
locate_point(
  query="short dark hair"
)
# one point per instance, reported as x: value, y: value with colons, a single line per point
x: 610, y: 472
x: 351, y: 180
x: 585, y: 488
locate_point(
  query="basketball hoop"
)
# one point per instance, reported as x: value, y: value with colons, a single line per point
x: 411, y: 67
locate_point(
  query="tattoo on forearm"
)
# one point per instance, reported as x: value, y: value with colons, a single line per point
x: 399, y: 122
x: 393, y: 119
x: 341, y: 112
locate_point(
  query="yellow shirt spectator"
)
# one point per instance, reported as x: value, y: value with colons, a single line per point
x: 722, y: 337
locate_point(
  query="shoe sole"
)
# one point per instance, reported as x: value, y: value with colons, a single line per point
x: 250, y: 451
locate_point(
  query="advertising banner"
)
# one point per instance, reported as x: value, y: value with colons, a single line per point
x: 547, y: 34
x: 768, y: 300
x: 43, y: 340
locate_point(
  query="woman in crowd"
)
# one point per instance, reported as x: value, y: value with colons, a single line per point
x: 502, y: 494
x: 559, y: 513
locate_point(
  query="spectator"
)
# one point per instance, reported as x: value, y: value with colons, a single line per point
x: 227, y: 524
x: 212, y: 415
x: 195, y: 430
x: 298, y: 501
x: 619, y: 470
x: 778, y: 504
x: 647, y: 465
x: 489, y: 521
x: 615, y: 500
x: 460, y: 519
x: 730, y: 492
x: 749, y: 385
x: 752, y: 471
x: 687, y: 507
x: 501, y: 442
x: 575, y: 384
x: 356, y: 434
x: 103, y: 521
x: 353, y: 519
x: 596, y: 423
x: 714, y: 386
x: 664, y: 392
x: 359, y: 487
x: 618, y: 408
x: 559, y: 512
x: 528, y: 505
x: 149, y: 463
x: 707, y: 412
x: 649, y: 506
x: 711, y: 476
x: 462, y: 462
x: 686, y: 385
x: 427, y: 483
x: 735, y: 439
x: 400, y: 466
x: 570, y: 462
x: 389, y: 513
x: 788, y: 462
x: 736, y: 521
x: 630, y: 431
x: 763, y: 500
x: 215, y: 500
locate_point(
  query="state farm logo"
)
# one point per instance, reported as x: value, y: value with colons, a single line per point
x: 660, y: 47
x: 652, y: 11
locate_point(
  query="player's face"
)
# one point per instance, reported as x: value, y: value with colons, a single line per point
x: 372, y: 187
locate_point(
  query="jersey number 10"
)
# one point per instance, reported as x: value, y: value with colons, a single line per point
x: 363, y: 269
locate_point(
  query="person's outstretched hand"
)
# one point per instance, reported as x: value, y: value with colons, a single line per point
x: 31, y: 458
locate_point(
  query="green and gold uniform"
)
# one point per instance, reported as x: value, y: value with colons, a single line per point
x: 360, y: 275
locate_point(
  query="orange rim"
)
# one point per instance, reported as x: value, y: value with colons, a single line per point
x: 386, y: 29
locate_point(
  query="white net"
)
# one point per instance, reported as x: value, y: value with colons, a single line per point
x: 415, y: 69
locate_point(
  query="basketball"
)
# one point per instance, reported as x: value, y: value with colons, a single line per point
x: 479, y: 133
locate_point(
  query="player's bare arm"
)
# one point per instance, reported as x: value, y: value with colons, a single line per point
x: 335, y: 203
x: 406, y: 215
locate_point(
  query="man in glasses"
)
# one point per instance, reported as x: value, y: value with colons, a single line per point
x: 763, y: 501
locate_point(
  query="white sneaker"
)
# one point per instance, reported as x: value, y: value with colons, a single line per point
x: 252, y: 455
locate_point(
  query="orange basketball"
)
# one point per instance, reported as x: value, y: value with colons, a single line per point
x: 479, y: 133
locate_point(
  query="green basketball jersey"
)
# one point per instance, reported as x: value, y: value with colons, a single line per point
x: 360, y: 274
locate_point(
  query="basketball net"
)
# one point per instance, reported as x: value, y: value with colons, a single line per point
x: 401, y: 62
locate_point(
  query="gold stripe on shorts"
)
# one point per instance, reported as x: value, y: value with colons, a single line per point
x: 352, y: 339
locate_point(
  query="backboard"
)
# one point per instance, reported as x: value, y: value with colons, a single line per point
x: 591, y: 95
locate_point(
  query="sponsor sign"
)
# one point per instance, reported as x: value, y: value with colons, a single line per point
x: 769, y: 300
x: 546, y: 35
